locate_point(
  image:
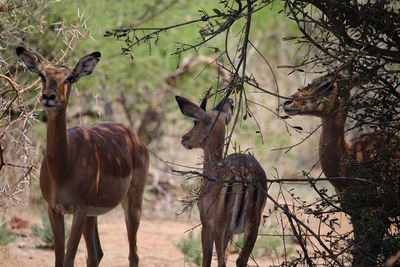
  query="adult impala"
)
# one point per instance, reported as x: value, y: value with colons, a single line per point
x: 233, y: 196
x: 326, y: 97
x: 86, y: 171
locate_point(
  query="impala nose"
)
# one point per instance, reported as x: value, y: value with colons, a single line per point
x: 288, y: 102
x: 185, y: 143
x: 48, y: 99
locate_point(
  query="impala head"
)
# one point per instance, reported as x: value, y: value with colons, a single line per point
x: 322, y: 97
x: 57, y: 80
x: 204, y: 120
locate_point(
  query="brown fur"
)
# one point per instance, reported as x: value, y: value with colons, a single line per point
x: 326, y: 97
x: 232, y: 204
x: 328, y: 103
x: 86, y: 171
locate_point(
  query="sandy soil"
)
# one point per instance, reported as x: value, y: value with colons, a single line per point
x: 154, y: 242
x: 157, y: 230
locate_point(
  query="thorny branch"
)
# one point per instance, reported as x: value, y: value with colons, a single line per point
x: 18, y: 106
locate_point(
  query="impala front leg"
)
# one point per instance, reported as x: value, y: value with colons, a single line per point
x: 91, y: 234
x: 57, y: 227
x: 207, y: 245
x: 78, y: 223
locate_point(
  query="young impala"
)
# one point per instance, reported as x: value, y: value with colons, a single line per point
x: 86, y: 171
x: 233, y: 196
x: 326, y: 97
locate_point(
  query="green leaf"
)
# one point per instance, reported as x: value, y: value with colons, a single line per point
x: 217, y: 11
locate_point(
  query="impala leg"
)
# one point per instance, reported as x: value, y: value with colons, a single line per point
x: 57, y: 227
x: 250, y: 238
x: 91, y: 234
x: 207, y: 245
x: 132, y: 205
x: 221, y: 242
x: 132, y: 211
x: 78, y: 223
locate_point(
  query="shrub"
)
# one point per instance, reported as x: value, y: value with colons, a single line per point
x: 6, y: 236
x: 191, y: 248
x: 45, y: 233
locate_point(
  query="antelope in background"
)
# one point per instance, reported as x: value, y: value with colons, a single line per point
x: 326, y: 97
x: 86, y: 171
x: 231, y: 201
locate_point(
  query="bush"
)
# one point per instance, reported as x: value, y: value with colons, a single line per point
x: 6, y: 236
x: 265, y: 245
x: 191, y: 248
x: 45, y: 233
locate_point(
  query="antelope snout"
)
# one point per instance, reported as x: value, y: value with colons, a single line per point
x: 184, y: 142
x: 48, y: 100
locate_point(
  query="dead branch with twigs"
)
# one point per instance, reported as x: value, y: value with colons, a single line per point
x: 18, y: 102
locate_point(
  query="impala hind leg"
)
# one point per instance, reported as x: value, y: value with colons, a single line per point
x: 57, y: 227
x: 250, y: 238
x: 78, y: 224
x: 207, y: 245
x: 221, y: 243
x: 91, y: 234
x: 132, y: 205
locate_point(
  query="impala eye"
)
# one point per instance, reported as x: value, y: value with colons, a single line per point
x: 326, y: 85
x: 42, y: 77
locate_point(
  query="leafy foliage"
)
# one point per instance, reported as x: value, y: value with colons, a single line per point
x: 361, y: 34
x: 191, y: 248
x: 44, y: 232
x: 6, y: 236
x: 267, y: 244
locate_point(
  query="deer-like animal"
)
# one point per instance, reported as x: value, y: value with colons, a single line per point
x: 86, y: 172
x: 326, y: 97
x: 233, y: 193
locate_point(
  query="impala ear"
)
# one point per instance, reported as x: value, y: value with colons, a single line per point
x: 85, y: 66
x: 191, y: 110
x: 203, y: 104
x: 30, y: 60
x: 226, y: 108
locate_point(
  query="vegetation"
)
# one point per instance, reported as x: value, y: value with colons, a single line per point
x: 266, y: 245
x: 360, y: 35
x: 191, y: 248
x: 6, y: 236
x: 44, y: 232
x: 250, y: 40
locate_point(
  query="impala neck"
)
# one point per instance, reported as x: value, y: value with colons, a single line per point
x: 57, y: 144
x: 333, y: 147
x: 212, y: 155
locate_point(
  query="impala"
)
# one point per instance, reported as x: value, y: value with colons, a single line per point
x: 326, y: 97
x: 86, y: 172
x: 233, y: 194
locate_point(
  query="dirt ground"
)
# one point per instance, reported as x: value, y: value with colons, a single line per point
x: 158, y: 228
x: 154, y: 241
